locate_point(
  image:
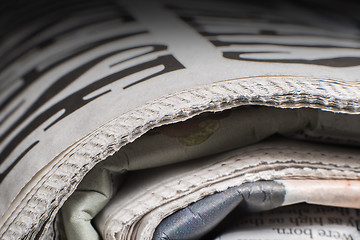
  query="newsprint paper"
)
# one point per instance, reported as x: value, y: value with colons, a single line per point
x: 135, y: 119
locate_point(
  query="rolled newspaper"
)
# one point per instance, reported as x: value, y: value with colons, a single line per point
x: 179, y: 120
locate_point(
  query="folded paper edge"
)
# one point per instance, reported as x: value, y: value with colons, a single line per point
x: 66, y: 171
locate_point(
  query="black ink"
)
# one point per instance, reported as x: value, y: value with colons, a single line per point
x: 76, y: 100
x: 328, y: 62
x: 219, y: 43
x: 30, y: 77
x: 170, y: 63
x: 268, y: 32
x: 45, y: 17
x: 12, y: 111
x: 63, y: 82
x: 7, y: 171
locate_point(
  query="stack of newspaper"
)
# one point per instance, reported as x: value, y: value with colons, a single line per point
x: 186, y: 120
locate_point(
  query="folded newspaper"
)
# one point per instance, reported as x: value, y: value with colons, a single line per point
x: 184, y: 120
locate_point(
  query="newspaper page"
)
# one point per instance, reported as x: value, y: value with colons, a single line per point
x: 80, y: 80
x: 171, y: 199
x: 303, y: 222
